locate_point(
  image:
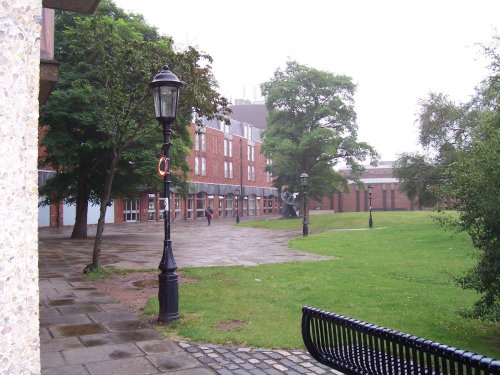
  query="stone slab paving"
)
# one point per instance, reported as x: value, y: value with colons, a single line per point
x: 83, y: 331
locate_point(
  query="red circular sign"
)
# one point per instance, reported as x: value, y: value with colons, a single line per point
x: 162, y: 166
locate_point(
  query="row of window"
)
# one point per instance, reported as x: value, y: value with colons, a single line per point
x: 200, y: 168
x: 201, y: 145
x: 196, y: 204
x: 247, y: 130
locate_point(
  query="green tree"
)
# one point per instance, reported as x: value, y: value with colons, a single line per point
x: 103, y: 110
x: 475, y: 180
x: 444, y: 129
x: 419, y: 177
x: 464, y: 140
x: 311, y: 127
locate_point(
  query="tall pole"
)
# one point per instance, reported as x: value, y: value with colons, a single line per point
x: 168, y: 292
x: 241, y: 188
x: 241, y: 176
x: 370, y: 220
x: 305, y: 229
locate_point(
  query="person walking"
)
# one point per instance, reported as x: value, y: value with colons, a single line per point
x: 209, y: 213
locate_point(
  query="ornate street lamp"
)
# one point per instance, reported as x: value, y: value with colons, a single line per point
x: 370, y: 220
x: 165, y: 86
x: 303, y: 181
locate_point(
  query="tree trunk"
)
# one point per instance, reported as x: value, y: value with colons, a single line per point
x: 104, y: 205
x: 82, y: 205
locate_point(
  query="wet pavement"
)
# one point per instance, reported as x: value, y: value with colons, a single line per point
x: 84, y: 331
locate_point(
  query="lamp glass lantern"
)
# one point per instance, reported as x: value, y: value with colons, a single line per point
x: 166, y: 87
x: 303, y: 179
x: 370, y: 189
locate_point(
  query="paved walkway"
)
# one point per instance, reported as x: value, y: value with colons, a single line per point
x: 84, y: 331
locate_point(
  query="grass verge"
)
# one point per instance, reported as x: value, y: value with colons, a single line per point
x: 398, y: 275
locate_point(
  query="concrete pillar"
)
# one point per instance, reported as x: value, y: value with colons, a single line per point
x: 19, y: 84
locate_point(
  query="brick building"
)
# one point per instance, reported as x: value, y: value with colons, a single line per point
x: 386, y: 195
x: 227, y: 174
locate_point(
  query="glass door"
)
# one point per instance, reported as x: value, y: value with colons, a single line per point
x: 131, y: 211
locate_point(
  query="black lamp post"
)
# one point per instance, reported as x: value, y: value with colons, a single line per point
x: 165, y: 86
x: 370, y: 220
x: 303, y: 181
x: 237, y: 191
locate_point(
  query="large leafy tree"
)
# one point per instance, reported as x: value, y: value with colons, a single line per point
x: 463, y: 163
x: 475, y: 181
x: 310, y: 128
x: 101, y: 124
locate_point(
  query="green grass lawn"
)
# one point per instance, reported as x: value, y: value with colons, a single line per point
x: 398, y: 275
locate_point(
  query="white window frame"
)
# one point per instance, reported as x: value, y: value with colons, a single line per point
x: 203, y: 142
x: 203, y: 166
x: 196, y: 165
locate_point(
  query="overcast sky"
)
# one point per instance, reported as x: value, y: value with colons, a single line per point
x: 395, y: 51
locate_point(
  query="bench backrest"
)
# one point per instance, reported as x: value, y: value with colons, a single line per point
x: 355, y: 347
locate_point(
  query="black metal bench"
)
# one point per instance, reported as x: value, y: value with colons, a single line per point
x: 355, y: 348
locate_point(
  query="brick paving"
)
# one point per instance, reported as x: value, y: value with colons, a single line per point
x: 85, y: 332
x: 250, y: 361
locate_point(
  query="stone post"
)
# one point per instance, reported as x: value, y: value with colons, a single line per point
x: 19, y: 85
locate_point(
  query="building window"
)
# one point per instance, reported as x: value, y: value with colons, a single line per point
x: 251, y: 205
x: 196, y: 165
x: 251, y: 153
x: 211, y: 202
x: 200, y: 143
x: 228, y: 147
x: 228, y: 169
x: 269, y: 175
x: 203, y: 166
x: 247, y: 131
x: 203, y: 142
x: 196, y: 142
x: 229, y: 205
x: 251, y: 173
x: 177, y: 206
x: 200, y: 204
x: 131, y: 211
x: 43, y: 176
x: 151, y: 207
x: 221, y: 206
x: 268, y: 204
x: 190, y: 206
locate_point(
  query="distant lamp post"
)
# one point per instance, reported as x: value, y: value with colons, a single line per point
x: 303, y: 181
x: 165, y: 86
x: 237, y: 205
x: 370, y: 220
